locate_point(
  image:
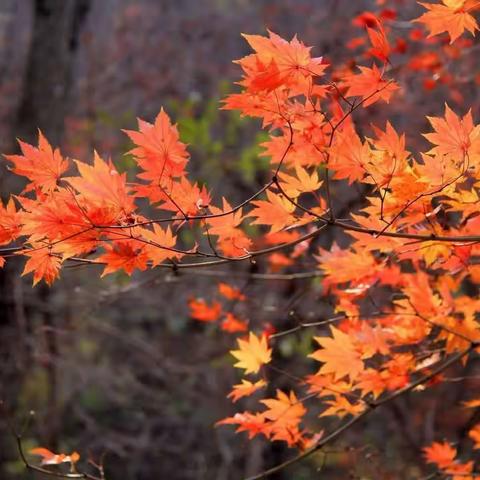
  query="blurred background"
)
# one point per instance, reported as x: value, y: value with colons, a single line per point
x: 116, y: 366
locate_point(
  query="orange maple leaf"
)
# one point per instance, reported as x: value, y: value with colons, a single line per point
x: 230, y: 292
x: 200, y: 310
x: 179, y: 196
x: 339, y: 355
x: 276, y: 211
x: 253, y: 423
x: 43, y: 263
x: 102, y: 185
x: 452, y: 17
x: 245, y: 389
x: 371, y: 381
x: 370, y: 85
x: 278, y: 62
x: 43, y: 165
x: 158, y: 150
x: 474, y: 434
x: 10, y: 225
x: 285, y: 413
x: 474, y: 403
x: 225, y: 222
x: 126, y: 255
x: 441, y: 454
x: 348, y: 156
x: 380, y: 45
x: 232, y: 240
x: 232, y: 324
x: 454, y: 135
x: 50, y: 458
x: 160, y: 244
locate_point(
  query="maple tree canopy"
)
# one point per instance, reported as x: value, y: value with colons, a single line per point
x: 415, y: 235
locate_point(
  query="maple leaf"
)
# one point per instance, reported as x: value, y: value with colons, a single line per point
x: 452, y: 17
x: 158, y: 150
x: 230, y: 292
x: 201, y: 311
x: 347, y: 265
x: 276, y: 211
x: 252, y: 353
x: 232, y: 241
x: 390, y: 141
x: 226, y: 221
x: 454, y: 135
x: 233, y: 324
x: 302, y: 182
x: 348, y: 156
x: 397, y: 370
x: 441, y: 454
x: 53, y: 218
x: 179, y: 196
x: 369, y: 85
x: 474, y: 434
x: 305, y: 151
x: 380, y: 45
x: 365, y: 19
x: 340, y: 407
x: 50, y: 458
x: 126, y: 255
x: 102, y: 185
x: 10, y: 223
x: 474, y: 403
x: 255, y: 104
x: 339, y: 355
x: 278, y: 260
x: 44, y: 264
x: 373, y: 340
x: 285, y: 412
x: 278, y: 62
x: 254, y: 424
x: 44, y: 166
x: 161, y: 243
x: 371, y: 381
x: 245, y: 389
x: 325, y: 385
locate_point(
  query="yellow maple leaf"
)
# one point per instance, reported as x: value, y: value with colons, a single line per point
x: 339, y: 355
x: 301, y: 182
x: 252, y: 353
x: 340, y: 406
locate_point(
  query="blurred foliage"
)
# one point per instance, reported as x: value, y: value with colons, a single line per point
x: 222, y: 142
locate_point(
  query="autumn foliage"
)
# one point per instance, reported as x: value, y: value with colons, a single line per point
x: 401, y: 314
